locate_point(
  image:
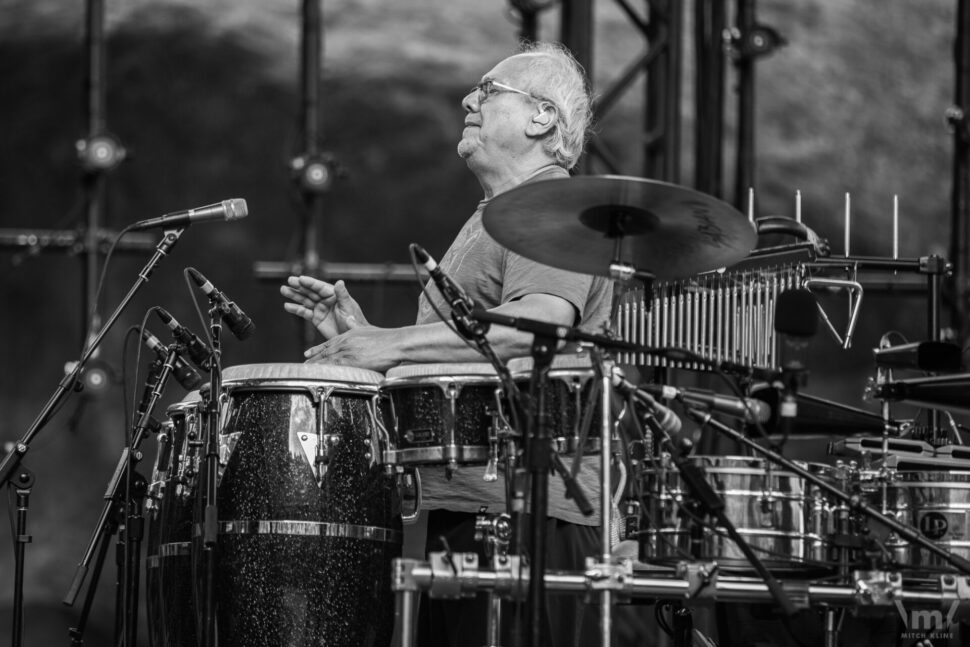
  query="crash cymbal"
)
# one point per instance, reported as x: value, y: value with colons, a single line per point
x: 585, y: 223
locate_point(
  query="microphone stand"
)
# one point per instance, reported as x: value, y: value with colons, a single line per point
x: 713, y: 505
x: 210, y: 479
x: 539, y: 455
x: 69, y: 382
x: 11, y: 463
x: 22, y: 485
x: 134, y: 490
x: 854, y: 502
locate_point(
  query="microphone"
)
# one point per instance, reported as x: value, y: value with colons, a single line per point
x: 748, y: 409
x: 238, y: 321
x: 195, y: 347
x: 796, y: 322
x: 452, y: 292
x: 182, y: 372
x: 226, y: 210
x: 666, y: 419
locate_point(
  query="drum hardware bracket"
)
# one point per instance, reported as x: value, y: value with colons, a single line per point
x: 698, y: 575
x: 495, y: 531
x: 609, y: 576
x: 876, y: 588
x: 955, y: 597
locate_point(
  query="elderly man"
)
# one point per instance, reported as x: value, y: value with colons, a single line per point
x: 525, y: 121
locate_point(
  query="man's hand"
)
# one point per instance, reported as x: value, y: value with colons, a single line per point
x: 330, y: 308
x: 367, y: 347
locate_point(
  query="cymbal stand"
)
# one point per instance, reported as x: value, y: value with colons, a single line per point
x: 126, y: 492
x: 210, y: 480
x: 605, y: 375
x: 854, y: 502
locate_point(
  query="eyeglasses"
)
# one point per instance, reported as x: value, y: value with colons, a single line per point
x: 490, y: 88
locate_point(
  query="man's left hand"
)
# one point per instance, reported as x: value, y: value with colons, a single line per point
x: 364, y: 347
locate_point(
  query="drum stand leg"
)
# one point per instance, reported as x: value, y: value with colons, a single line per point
x: 495, y: 531
x: 404, y: 609
x: 493, y: 636
x: 833, y: 623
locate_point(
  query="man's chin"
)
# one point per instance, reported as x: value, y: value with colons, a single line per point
x: 465, y: 149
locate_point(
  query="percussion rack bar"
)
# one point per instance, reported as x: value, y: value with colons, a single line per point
x: 458, y: 575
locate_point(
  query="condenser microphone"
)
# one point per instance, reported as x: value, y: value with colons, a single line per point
x: 452, y: 292
x: 749, y: 410
x: 667, y: 420
x: 796, y: 322
x: 197, y: 350
x: 184, y: 374
x: 236, y: 320
x: 226, y: 210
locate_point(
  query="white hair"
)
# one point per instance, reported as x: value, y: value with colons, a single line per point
x: 559, y: 78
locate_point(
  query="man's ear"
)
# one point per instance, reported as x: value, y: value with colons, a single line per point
x: 544, y: 120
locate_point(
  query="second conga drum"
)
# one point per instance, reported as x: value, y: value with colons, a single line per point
x: 168, y: 583
x: 572, y: 400
x: 309, y: 521
x: 441, y: 414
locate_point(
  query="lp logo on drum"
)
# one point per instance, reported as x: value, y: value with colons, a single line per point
x: 927, y: 624
x: 933, y: 525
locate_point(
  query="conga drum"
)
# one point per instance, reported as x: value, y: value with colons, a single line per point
x: 442, y: 414
x: 172, y: 616
x: 308, y: 518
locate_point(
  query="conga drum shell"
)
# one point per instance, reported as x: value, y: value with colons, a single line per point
x: 169, y: 579
x: 439, y: 414
x: 309, y: 519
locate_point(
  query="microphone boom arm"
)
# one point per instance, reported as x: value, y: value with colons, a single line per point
x: 10, y: 462
x: 904, y: 531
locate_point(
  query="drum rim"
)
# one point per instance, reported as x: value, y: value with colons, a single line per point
x: 300, y: 371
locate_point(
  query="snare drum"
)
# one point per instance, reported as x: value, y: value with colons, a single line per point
x: 309, y: 520
x: 169, y: 582
x: 572, y: 404
x: 441, y: 414
x: 782, y: 517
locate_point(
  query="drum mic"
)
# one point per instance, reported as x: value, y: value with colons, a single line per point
x: 796, y: 322
x: 197, y: 350
x: 665, y: 418
x: 235, y: 319
x: 226, y: 210
x: 184, y: 374
x: 451, y: 291
x: 749, y: 410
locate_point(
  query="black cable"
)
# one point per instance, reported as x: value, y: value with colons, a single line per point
x: 96, y: 303
x: 424, y: 290
x: 658, y: 613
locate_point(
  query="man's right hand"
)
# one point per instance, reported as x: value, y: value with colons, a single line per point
x: 329, y: 307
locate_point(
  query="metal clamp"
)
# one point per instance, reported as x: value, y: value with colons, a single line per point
x: 876, y: 588
x: 698, y: 575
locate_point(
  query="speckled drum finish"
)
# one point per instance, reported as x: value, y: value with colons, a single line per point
x: 440, y: 414
x: 572, y: 402
x: 309, y: 522
x: 169, y: 579
x: 783, y: 517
